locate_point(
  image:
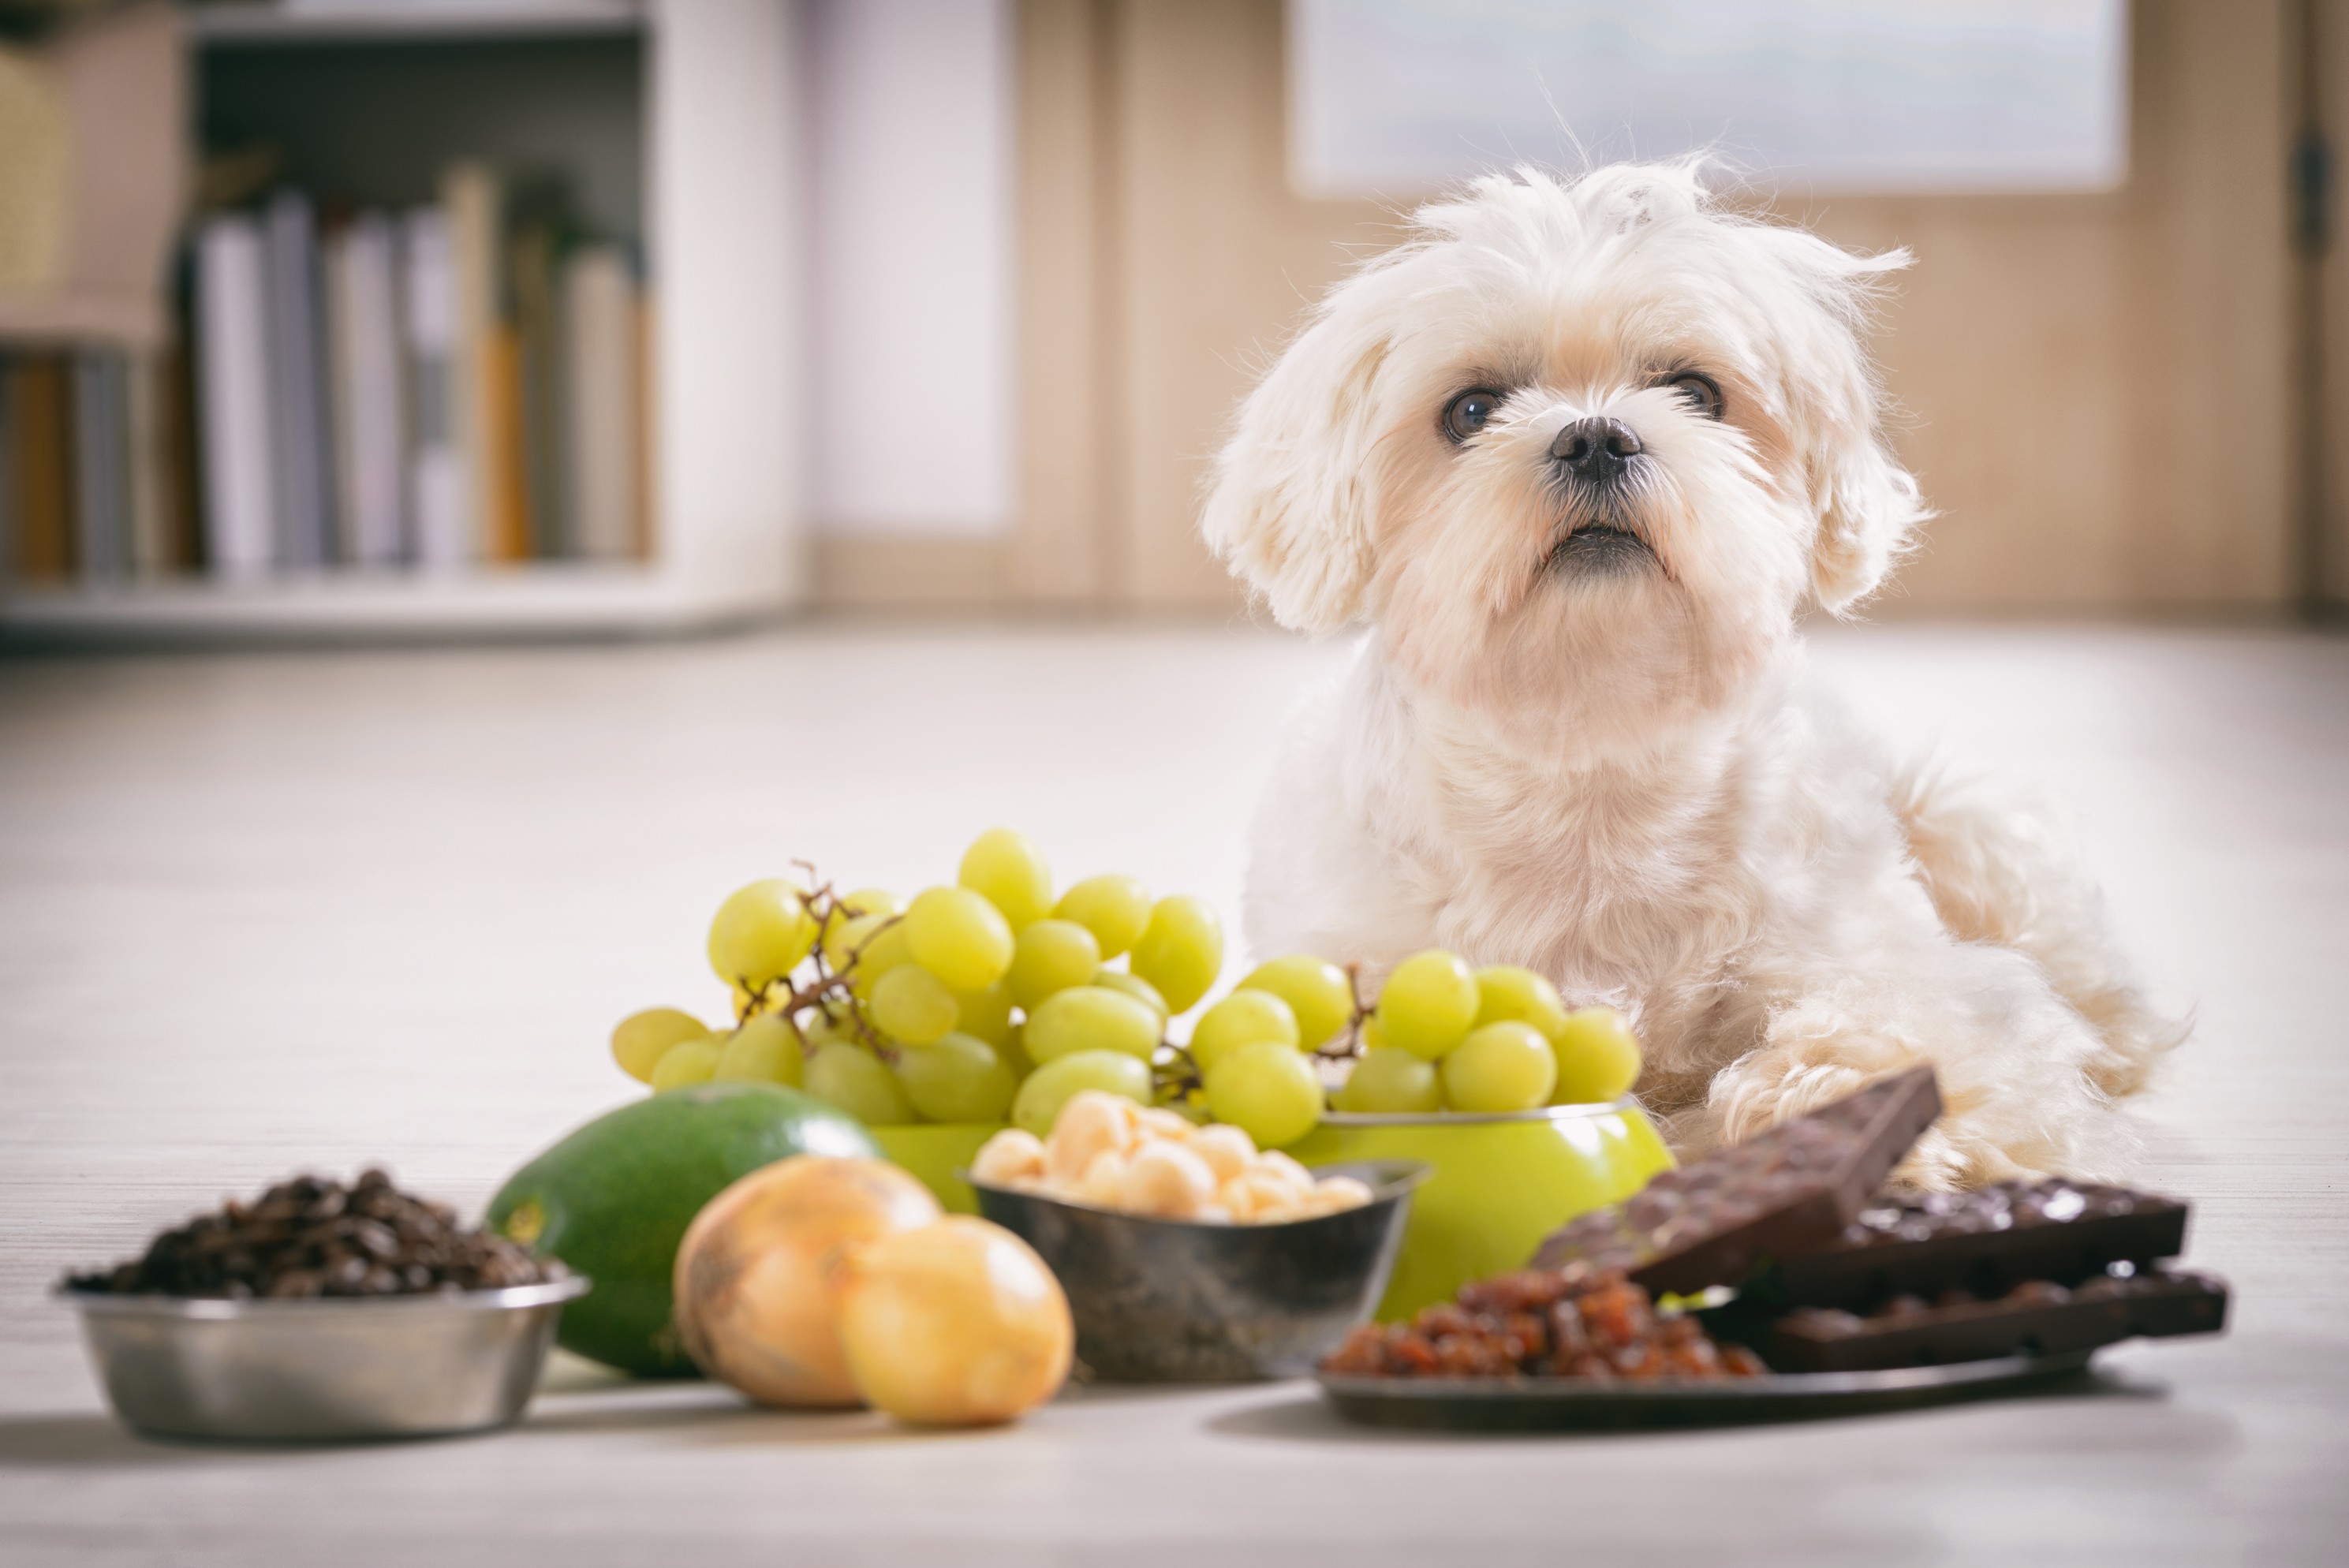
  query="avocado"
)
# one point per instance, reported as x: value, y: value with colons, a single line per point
x: 613, y: 1200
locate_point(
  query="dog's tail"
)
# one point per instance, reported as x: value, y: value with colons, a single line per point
x: 2000, y: 875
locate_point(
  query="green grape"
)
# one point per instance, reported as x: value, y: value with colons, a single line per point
x: 1134, y: 986
x: 1240, y: 1019
x: 958, y: 937
x: 641, y: 1039
x: 1504, y: 991
x: 1268, y: 1090
x: 765, y: 1049
x: 871, y: 901
x: 884, y: 950
x: 1009, y: 872
x: 1505, y: 1066
x: 912, y: 1004
x: 1429, y: 1003
x: 761, y: 933
x: 683, y: 1063
x: 1598, y: 1057
x: 1113, y: 908
x: 1090, y: 1018
x: 1054, y: 1083
x: 1373, y: 1037
x: 1389, y: 1082
x: 1052, y: 955
x: 985, y: 1014
x: 1181, y: 950
x: 1317, y: 991
x: 852, y: 1080
x: 956, y: 1080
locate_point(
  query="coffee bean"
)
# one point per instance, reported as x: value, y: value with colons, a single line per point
x: 311, y: 1236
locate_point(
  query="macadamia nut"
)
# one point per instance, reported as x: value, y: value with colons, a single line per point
x: 1107, y: 1152
x: 1011, y: 1157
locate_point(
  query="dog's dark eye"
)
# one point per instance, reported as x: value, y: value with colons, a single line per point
x: 1466, y: 414
x: 1703, y: 392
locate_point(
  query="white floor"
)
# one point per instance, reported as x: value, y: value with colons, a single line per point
x: 259, y: 913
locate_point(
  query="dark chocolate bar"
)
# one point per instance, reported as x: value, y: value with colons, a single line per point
x: 1984, y: 1243
x: 2038, y: 1317
x: 1783, y: 1192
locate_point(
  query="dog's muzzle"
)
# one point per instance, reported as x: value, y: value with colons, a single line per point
x: 1594, y: 459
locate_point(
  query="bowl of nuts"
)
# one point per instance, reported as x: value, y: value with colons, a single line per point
x: 1188, y: 1255
x: 321, y: 1311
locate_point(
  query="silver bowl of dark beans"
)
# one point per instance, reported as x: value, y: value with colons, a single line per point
x: 322, y: 1311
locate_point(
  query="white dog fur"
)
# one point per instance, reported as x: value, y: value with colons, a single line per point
x: 1602, y: 758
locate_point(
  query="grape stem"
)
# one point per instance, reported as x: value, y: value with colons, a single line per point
x: 825, y: 990
x: 1346, y: 1043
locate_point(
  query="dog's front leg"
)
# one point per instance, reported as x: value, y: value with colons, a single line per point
x: 2008, y: 1052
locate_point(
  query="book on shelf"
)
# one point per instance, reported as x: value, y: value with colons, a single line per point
x: 367, y: 400
x: 101, y: 462
x: 601, y: 407
x: 482, y: 361
x: 40, y: 486
x: 234, y: 400
x: 438, y: 490
x: 301, y: 456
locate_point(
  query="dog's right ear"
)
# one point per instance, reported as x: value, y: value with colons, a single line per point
x: 1293, y: 508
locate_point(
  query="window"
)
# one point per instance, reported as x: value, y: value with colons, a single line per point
x: 1399, y: 98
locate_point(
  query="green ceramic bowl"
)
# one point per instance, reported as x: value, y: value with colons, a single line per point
x: 1500, y: 1183
x: 937, y: 1152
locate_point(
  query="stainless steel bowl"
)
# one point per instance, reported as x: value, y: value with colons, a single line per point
x: 1166, y: 1301
x: 331, y: 1367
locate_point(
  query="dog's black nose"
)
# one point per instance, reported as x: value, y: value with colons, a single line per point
x: 1596, y: 449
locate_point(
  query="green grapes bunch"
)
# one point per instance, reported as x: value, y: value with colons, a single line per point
x: 990, y: 999
x: 980, y: 1000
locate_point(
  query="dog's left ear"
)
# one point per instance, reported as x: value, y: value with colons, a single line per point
x: 1867, y: 505
x: 1868, y: 508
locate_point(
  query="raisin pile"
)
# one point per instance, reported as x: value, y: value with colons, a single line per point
x: 311, y: 1236
x: 1574, y: 1321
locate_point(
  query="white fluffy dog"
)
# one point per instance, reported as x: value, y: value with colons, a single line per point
x: 1580, y: 453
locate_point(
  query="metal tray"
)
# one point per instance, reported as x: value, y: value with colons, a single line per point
x: 1564, y: 1404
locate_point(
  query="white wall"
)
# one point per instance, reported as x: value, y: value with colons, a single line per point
x: 911, y: 372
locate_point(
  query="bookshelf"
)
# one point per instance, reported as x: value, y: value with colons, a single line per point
x: 681, y: 118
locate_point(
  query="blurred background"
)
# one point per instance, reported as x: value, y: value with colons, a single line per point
x: 356, y: 317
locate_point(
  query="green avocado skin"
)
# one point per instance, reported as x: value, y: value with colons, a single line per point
x: 617, y: 1195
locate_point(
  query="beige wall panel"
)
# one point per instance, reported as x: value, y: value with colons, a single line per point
x: 1058, y: 552
x: 912, y: 572
x: 2000, y: 349
x: 2095, y: 386
x: 1218, y: 260
x: 2211, y: 458
x: 2331, y: 475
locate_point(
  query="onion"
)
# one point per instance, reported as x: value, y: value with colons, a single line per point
x: 955, y: 1324
x: 757, y: 1273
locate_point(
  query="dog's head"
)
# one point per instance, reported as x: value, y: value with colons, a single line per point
x: 1582, y: 449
